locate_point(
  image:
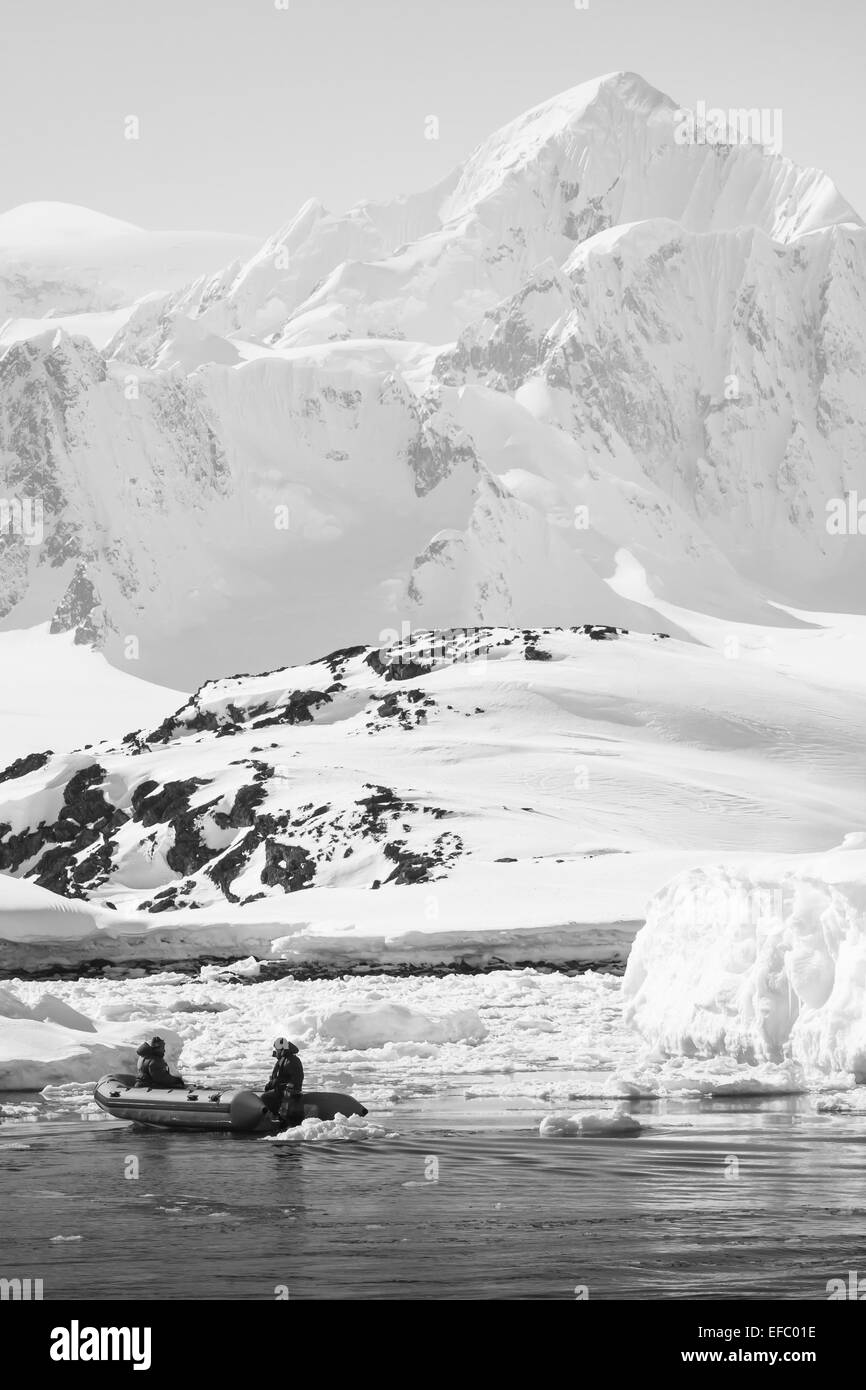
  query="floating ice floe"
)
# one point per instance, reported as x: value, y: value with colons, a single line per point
x: 344, y: 1127
x: 686, y: 1078
x: 376, y: 1024
x: 596, y: 1122
x: 248, y: 969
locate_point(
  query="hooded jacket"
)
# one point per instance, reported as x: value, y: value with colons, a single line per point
x: 153, y: 1070
x: 288, y: 1072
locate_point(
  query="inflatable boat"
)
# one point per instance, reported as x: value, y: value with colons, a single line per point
x: 242, y: 1112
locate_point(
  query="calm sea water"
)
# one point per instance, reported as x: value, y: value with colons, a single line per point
x: 501, y: 1213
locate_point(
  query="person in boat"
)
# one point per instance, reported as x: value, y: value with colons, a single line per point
x: 153, y: 1070
x: 282, y: 1095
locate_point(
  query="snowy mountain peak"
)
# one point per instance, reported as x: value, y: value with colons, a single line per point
x: 561, y: 126
x: 422, y: 268
x: 461, y: 406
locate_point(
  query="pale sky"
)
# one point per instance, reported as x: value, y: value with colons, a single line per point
x: 246, y: 110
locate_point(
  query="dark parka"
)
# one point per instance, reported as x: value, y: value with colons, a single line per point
x: 288, y: 1072
x: 153, y: 1070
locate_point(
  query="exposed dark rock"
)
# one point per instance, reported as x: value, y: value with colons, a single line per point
x: 203, y: 721
x: 394, y: 670
x: 80, y: 610
x: 297, y: 711
x: 22, y: 766
x: 419, y: 866
x: 289, y: 867
x: 226, y: 868
x: 82, y: 799
x: 15, y: 850
x: 382, y: 799
x: 337, y: 661
x: 150, y: 804
x: 189, y: 853
x: 243, y: 810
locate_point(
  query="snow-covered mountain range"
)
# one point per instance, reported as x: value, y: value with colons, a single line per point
x: 592, y: 351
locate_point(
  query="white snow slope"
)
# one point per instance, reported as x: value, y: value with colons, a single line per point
x: 467, y: 795
x: 55, y: 693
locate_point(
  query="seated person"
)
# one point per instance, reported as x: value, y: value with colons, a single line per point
x: 282, y: 1095
x: 153, y: 1069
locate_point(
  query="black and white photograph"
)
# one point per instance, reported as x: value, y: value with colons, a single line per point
x: 432, y: 665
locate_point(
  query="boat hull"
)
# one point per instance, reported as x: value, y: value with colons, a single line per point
x: 199, y: 1108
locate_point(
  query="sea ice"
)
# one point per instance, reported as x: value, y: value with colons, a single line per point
x: 615, y: 1121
